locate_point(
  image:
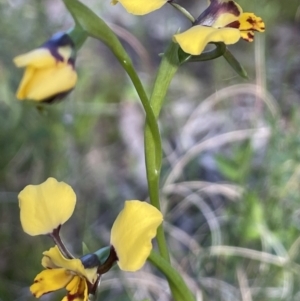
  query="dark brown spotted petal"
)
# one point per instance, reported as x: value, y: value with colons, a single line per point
x: 247, y: 36
x: 249, y: 21
x: 247, y: 24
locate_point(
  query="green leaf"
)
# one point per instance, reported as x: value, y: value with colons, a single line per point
x: 183, y: 57
x: 103, y: 254
x: 85, y: 249
x: 237, y: 168
x: 254, y: 217
x: 228, y: 168
x: 236, y: 66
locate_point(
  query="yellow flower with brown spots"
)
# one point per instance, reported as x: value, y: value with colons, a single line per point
x: 45, y: 207
x: 131, y: 236
x: 223, y: 21
x: 61, y: 272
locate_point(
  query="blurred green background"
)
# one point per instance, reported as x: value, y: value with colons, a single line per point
x: 231, y: 167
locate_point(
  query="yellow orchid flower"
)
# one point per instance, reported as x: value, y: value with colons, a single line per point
x: 223, y: 21
x: 45, y: 207
x: 138, y: 7
x: 132, y: 232
x: 61, y: 272
x: 131, y: 236
x: 50, y: 72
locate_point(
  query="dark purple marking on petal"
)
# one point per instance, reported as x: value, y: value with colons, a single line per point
x: 214, y: 10
x: 56, y: 41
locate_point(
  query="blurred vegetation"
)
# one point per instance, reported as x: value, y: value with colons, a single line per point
x: 232, y: 207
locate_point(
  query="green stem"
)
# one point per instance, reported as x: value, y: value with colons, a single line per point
x: 181, y: 291
x: 78, y: 36
x: 167, y: 69
x: 95, y: 27
x: 183, y: 11
x: 184, y: 57
x: 211, y: 54
x: 151, y: 122
x: 58, y: 241
x: 165, y: 74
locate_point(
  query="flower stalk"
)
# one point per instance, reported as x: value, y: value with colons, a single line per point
x: 180, y: 292
x: 168, y: 67
x: 183, y: 11
x: 165, y: 74
x: 110, y: 261
x: 58, y: 241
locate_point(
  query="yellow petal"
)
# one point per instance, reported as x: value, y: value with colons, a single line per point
x: 132, y: 233
x: 47, y: 82
x: 65, y: 52
x: 28, y: 74
x: 249, y: 21
x: 224, y: 19
x: 53, y: 259
x: 38, y: 58
x: 138, y: 7
x: 46, y: 206
x: 247, y: 35
x: 195, y: 39
x: 50, y: 280
x: 78, y: 290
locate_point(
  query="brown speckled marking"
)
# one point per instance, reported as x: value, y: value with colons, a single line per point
x: 235, y: 24
x: 254, y: 22
x: 250, y: 36
x: 251, y: 21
